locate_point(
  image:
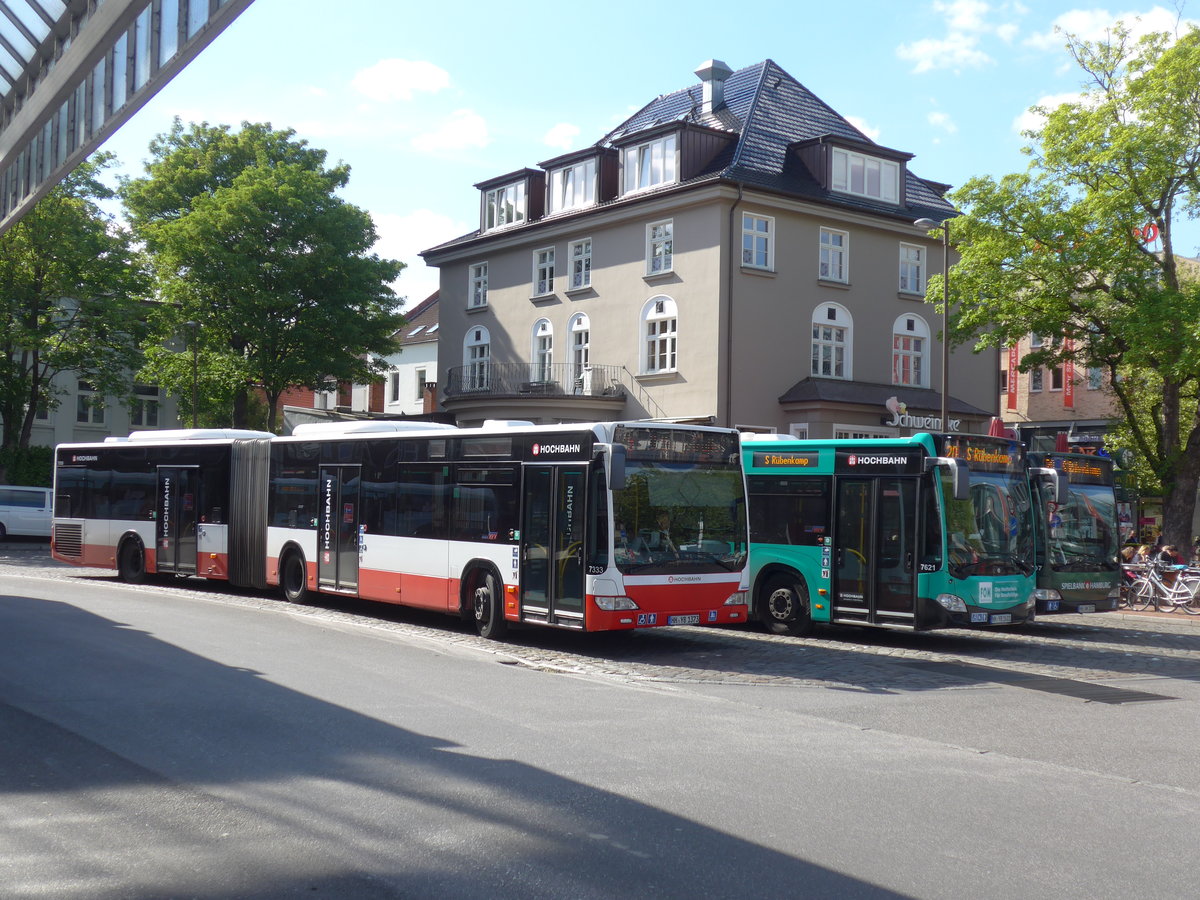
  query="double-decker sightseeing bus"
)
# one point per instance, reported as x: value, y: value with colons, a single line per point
x: 923, y: 532
x: 1078, y: 538
x: 591, y: 527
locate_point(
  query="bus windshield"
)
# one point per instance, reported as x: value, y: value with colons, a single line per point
x: 1079, y: 536
x: 679, y: 516
x: 991, y: 533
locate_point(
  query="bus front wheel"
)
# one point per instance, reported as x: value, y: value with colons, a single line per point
x: 295, y: 579
x: 488, y: 607
x: 783, y: 606
x: 131, y: 563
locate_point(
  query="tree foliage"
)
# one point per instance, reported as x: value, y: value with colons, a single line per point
x: 1060, y: 250
x: 250, y: 240
x: 71, y: 300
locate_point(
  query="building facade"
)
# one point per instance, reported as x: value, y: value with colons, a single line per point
x: 734, y: 252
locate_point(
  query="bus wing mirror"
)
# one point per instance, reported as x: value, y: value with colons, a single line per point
x: 1060, y: 488
x: 614, y: 464
x: 960, y: 475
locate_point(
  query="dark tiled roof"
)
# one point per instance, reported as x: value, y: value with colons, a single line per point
x: 418, y: 321
x: 835, y: 390
x: 769, y: 110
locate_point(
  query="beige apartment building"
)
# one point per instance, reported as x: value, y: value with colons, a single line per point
x: 735, y: 252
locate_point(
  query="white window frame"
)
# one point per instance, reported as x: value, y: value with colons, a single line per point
x: 572, y: 187
x: 1095, y: 378
x: 853, y: 173
x: 1036, y: 379
x: 912, y: 270
x: 89, y: 405
x: 144, y: 411
x: 833, y: 261
x: 798, y: 430
x: 660, y: 336
x: 393, y: 386
x: 1060, y: 372
x: 660, y: 247
x: 650, y: 164
x: 579, y: 258
x: 758, y: 241
x: 504, y: 205
x: 843, y: 432
x: 543, y: 272
x: 840, y: 322
x: 421, y: 376
x: 910, y: 327
x: 477, y: 358
x: 477, y: 295
x: 580, y: 329
x: 541, y: 351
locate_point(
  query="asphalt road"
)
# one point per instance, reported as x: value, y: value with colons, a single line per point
x: 186, y: 741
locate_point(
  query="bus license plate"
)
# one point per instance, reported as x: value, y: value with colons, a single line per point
x: 1002, y: 619
x: 684, y: 620
x: 1086, y: 607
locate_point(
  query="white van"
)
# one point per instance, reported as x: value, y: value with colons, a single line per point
x: 25, y: 510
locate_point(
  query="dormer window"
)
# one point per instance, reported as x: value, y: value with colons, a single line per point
x: 866, y: 176
x: 650, y: 164
x: 504, y: 205
x: 572, y: 187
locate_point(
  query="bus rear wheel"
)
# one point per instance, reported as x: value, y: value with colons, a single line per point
x: 783, y: 606
x: 488, y: 607
x: 294, y: 579
x: 131, y: 563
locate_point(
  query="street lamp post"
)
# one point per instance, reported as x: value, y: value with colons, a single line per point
x: 195, y: 326
x: 929, y: 225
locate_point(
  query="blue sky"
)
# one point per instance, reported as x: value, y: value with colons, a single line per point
x: 424, y: 100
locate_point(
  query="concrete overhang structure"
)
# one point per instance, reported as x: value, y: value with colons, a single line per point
x: 73, y: 71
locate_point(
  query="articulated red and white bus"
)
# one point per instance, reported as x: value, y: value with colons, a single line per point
x: 592, y: 527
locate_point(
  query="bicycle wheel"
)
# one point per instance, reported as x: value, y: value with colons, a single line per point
x: 1192, y: 607
x: 1169, y: 598
x: 1141, y: 594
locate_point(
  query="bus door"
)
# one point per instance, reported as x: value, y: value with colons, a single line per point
x: 552, y: 517
x: 337, y: 528
x: 876, y: 545
x: 175, y: 519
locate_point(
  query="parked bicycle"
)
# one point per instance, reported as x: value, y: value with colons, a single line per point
x: 1165, y: 587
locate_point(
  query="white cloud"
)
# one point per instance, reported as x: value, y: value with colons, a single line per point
x: 403, y: 237
x: 462, y: 128
x: 968, y: 22
x: 956, y: 51
x: 562, y: 136
x: 942, y: 120
x: 1095, y: 25
x: 861, y: 124
x: 1030, y: 120
x: 400, y: 79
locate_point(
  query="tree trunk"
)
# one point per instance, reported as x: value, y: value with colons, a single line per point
x: 241, y: 408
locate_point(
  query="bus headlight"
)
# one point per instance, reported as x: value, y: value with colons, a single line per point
x: 1046, y: 594
x: 737, y: 599
x: 952, y: 603
x: 611, y: 604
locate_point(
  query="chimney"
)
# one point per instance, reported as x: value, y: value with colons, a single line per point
x: 712, y: 75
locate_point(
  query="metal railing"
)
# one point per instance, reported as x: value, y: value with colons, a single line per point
x: 534, y: 380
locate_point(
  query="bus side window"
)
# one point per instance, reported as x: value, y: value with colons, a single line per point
x: 931, y: 539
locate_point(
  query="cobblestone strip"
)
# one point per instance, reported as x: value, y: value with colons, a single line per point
x: 1099, y: 648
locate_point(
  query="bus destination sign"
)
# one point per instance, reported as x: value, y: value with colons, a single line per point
x: 786, y: 459
x: 985, y: 454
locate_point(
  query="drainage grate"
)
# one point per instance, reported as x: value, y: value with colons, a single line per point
x: 1083, y: 690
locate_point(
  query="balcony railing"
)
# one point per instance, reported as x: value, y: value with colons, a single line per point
x: 534, y: 380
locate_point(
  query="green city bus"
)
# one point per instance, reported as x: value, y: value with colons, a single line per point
x: 1078, y: 539
x: 922, y: 532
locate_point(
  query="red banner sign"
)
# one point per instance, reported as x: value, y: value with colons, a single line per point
x: 1013, y: 359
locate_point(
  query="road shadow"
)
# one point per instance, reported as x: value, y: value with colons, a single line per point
x: 133, y: 768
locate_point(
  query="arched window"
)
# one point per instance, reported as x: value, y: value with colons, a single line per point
x: 477, y: 359
x: 542, y: 352
x: 910, y: 351
x: 832, y: 342
x: 580, y: 329
x: 660, y: 326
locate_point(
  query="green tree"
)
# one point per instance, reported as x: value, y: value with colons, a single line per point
x: 250, y: 240
x: 1060, y: 250
x: 71, y: 300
